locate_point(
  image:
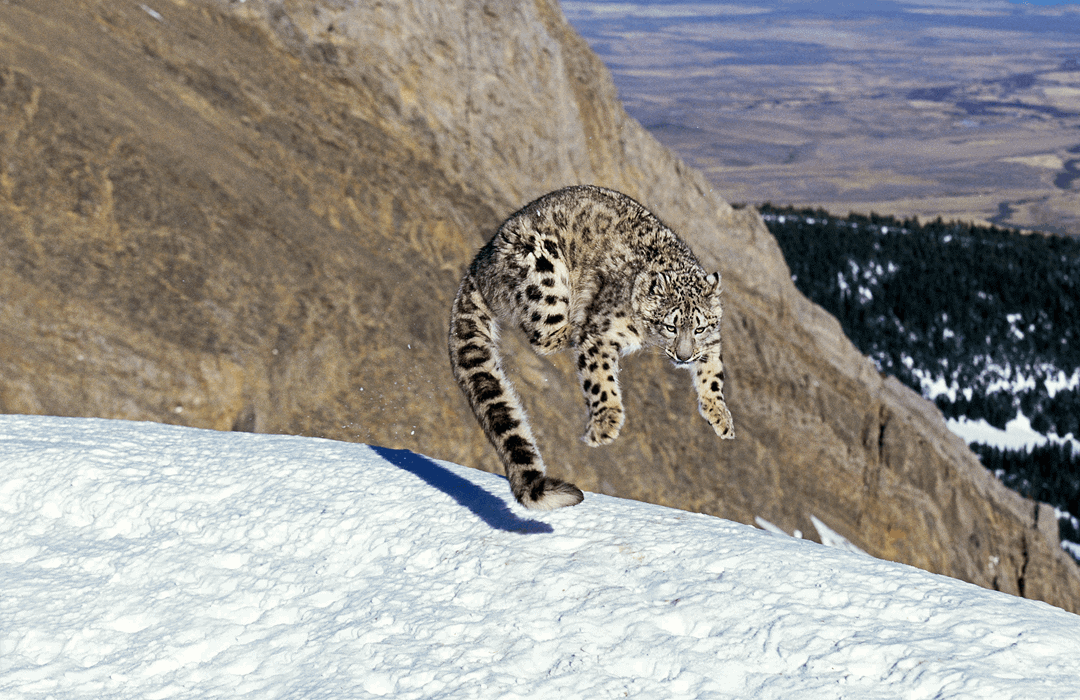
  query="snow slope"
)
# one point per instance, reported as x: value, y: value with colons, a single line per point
x: 147, y: 561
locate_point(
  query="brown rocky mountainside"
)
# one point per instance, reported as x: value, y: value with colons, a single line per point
x: 254, y: 216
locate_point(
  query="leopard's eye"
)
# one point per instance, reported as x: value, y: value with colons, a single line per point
x: 700, y: 329
x: 670, y: 328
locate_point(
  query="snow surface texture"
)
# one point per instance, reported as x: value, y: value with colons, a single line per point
x: 147, y: 561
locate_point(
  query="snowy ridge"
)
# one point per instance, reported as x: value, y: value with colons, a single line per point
x: 148, y: 561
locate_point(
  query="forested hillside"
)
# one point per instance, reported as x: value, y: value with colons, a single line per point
x: 979, y: 319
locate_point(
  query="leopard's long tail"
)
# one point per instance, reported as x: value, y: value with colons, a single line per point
x: 474, y: 357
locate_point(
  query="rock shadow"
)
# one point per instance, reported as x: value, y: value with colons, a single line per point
x: 492, y: 510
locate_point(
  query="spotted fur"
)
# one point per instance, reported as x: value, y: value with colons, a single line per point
x: 591, y: 270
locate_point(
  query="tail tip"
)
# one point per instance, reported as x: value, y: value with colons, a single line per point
x: 549, y: 493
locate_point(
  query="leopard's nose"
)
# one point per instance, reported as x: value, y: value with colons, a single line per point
x: 684, y: 349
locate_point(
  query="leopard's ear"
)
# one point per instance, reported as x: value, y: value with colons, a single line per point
x: 713, y: 280
x: 661, y: 283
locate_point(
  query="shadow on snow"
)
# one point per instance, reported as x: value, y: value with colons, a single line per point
x: 489, y: 508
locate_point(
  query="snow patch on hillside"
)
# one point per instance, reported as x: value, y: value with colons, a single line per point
x: 148, y: 561
x: 1017, y: 435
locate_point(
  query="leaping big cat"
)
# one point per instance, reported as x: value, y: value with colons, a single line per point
x: 590, y: 270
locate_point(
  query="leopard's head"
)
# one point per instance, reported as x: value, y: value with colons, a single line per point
x: 681, y: 312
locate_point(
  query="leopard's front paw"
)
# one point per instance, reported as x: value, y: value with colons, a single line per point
x: 719, y: 417
x: 604, y: 426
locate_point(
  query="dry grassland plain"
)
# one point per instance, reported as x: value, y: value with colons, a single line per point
x: 965, y: 110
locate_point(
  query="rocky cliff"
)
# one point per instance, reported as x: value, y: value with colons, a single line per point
x: 254, y: 216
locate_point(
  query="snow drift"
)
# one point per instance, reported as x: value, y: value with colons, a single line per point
x: 140, y: 560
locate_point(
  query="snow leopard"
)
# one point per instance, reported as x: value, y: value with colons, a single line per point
x: 591, y: 270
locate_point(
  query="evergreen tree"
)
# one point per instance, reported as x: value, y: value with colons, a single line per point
x: 977, y: 306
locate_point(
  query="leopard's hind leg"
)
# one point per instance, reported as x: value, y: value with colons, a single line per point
x: 544, y: 297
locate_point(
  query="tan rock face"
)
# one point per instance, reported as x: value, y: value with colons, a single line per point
x: 254, y: 216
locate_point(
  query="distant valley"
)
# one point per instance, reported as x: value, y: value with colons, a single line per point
x: 900, y: 108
